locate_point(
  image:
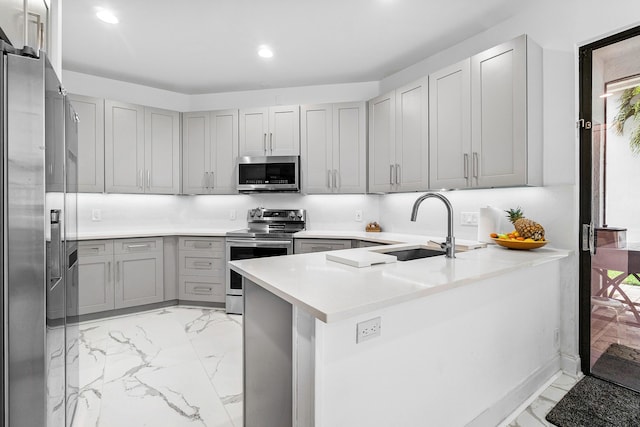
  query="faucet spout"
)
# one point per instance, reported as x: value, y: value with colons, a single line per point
x: 449, y: 245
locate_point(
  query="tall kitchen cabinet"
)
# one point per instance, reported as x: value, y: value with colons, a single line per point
x: 142, y: 149
x: 90, y: 143
x: 398, y: 140
x: 486, y: 119
x: 333, y: 146
x: 209, y: 152
x: 272, y: 131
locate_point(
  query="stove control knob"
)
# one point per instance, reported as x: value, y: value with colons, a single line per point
x: 258, y: 213
x: 299, y: 215
x: 292, y: 214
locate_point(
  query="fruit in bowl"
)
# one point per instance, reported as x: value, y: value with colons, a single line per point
x: 527, y: 234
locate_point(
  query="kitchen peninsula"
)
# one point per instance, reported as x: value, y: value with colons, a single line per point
x: 462, y: 341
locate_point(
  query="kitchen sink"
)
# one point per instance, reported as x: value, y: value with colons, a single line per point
x: 413, y: 253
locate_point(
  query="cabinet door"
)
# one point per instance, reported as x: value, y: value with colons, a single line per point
x: 95, y: 289
x: 349, y: 147
x: 224, y: 151
x: 382, y: 135
x: 412, y: 137
x: 499, y: 115
x: 90, y: 143
x: 450, y: 127
x: 161, y: 151
x: 139, y: 279
x: 124, y: 147
x: 196, y: 153
x: 316, y: 146
x: 95, y: 276
x: 254, y: 127
x: 284, y: 131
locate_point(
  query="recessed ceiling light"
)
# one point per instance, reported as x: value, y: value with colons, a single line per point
x: 106, y: 16
x: 265, y: 52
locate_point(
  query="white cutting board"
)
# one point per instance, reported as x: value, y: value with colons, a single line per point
x: 361, y: 258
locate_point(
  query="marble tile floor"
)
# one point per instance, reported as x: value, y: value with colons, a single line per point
x: 533, y: 415
x: 174, y: 367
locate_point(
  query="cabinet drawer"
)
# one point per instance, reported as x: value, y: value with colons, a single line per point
x: 95, y: 248
x: 201, y: 289
x: 306, y: 246
x: 201, y: 263
x: 127, y: 246
x: 201, y: 243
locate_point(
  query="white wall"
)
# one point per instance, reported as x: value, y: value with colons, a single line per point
x: 133, y: 212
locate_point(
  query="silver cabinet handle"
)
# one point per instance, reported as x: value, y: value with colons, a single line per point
x: 202, y: 289
x: 141, y: 181
x: 321, y: 248
x: 117, y: 271
x: 397, y: 173
x: 265, y: 142
x: 201, y: 245
x: 202, y: 264
x: 475, y: 165
x: 205, y: 180
x: 391, y: 174
x: 335, y: 179
x: 271, y: 142
x: 109, y: 272
x: 149, y: 179
x: 212, y: 181
x: 141, y: 245
x: 329, y: 178
x: 466, y: 165
x: 55, y: 248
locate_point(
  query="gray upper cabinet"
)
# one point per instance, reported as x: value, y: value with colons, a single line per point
x: 382, y: 133
x: 485, y: 121
x: 333, y: 148
x: 272, y: 131
x: 398, y: 140
x: 210, y: 149
x: 412, y: 137
x: 90, y: 143
x: 506, y: 115
x: 124, y: 147
x: 142, y: 149
x: 161, y: 151
x: 450, y: 127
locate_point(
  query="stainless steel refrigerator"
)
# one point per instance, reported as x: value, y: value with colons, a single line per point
x: 38, y: 255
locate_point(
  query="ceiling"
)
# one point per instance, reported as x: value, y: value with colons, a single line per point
x: 209, y: 46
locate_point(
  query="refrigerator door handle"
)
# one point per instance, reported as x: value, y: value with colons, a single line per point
x: 55, y: 251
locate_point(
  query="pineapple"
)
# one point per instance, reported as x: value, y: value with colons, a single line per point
x: 525, y: 227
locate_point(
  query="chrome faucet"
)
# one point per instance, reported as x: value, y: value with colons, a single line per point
x: 450, y: 244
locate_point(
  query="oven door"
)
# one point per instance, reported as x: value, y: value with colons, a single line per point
x: 239, y: 249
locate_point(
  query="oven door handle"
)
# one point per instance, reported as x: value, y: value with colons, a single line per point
x: 255, y: 243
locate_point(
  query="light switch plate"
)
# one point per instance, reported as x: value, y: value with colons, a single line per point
x: 469, y: 218
x: 358, y: 215
x: 96, y: 215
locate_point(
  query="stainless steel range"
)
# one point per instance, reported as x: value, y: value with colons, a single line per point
x: 269, y: 233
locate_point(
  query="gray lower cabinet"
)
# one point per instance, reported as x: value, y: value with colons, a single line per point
x: 95, y: 276
x: 306, y: 246
x: 201, y: 269
x: 119, y: 273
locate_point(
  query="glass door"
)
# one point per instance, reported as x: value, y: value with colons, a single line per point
x: 610, y: 209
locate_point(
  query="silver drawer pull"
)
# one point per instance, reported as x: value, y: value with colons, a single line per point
x: 202, y: 290
x: 202, y: 245
x: 202, y: 264
x: 95, y: 250
x: 321, y: 248
x: 142, y: 245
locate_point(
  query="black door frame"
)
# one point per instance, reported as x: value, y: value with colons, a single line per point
x: 585, y: 58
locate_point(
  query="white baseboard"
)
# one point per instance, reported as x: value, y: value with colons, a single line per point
x: 519, y: 395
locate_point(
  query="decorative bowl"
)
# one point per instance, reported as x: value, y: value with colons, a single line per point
x: 520, y: 244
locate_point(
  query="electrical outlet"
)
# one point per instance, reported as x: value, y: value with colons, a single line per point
x: 368, y: 329
x: 232, y: 214
x: 96, y: 215
x: 469, y: 218
x: 358, y: 216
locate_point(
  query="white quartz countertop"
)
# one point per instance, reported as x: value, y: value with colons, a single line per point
x: 177, y: 231
x: 332, y: 291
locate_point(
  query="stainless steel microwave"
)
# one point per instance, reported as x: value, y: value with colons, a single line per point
x: 268, y: 173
